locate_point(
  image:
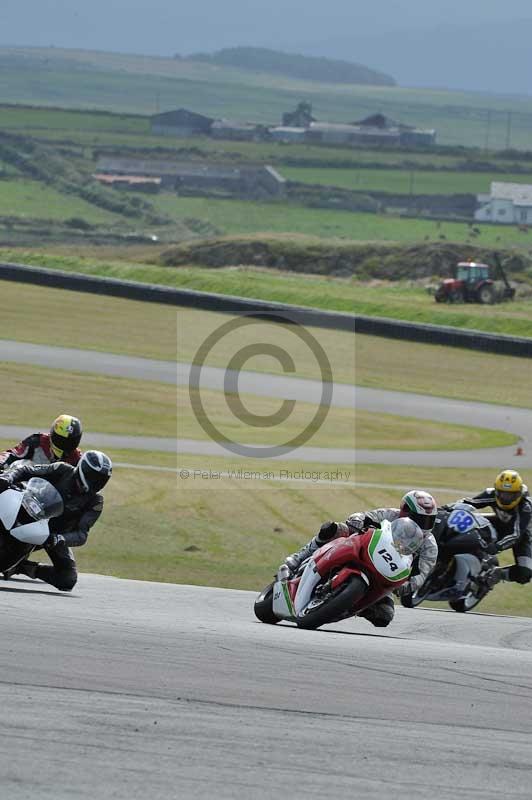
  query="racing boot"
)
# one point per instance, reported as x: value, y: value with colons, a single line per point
x: 325, y: 534
x: 28, y: 568
x: 490, y: 572
x: 25, y: 567
x: 294, y: 561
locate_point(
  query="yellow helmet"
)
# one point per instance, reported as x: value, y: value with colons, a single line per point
x: 508, y: 489
x: 65, y: 435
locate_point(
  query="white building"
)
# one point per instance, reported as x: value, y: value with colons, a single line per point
x: 509, y: 203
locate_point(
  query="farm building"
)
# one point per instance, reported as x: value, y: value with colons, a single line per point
x: 197, y: 177
x: 337, y: 133
x: 180, y: 123
x: 238, y: 131
x: 509, y: 203
x: 286, y: 133
x: 129, y: 181
x: 300, y: 118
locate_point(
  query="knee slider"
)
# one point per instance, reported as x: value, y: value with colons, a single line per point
x: 380, y: 622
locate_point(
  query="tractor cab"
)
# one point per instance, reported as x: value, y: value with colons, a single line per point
x: 472, y: 272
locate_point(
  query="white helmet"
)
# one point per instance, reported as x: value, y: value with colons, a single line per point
x: 421, y: 507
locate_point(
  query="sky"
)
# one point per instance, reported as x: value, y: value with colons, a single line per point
x: 420, y: 42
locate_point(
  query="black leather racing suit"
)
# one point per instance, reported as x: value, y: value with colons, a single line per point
x: 514, y: 529
x: 81, y: 510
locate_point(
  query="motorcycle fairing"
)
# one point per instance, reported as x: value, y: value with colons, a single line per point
x: 10, y: 502
x: 282, y: 604
x: 309, y: 580
x: 35, y: 532
x: 384, y: 556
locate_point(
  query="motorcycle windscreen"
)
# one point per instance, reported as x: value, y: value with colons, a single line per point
x: 36, y: 532
x: 41, y: 499
x: 10, y: 502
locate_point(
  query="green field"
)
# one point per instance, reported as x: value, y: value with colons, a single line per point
x: 413, y: 181
x: 240, y: 217
x: 26, y: 199
x: 138, y: 84
x: 137, y: 408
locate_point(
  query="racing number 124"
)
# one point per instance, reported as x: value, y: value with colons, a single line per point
x: 388, y: 558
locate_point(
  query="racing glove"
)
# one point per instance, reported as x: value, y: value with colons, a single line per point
x: 53, y: 540
x: 5, y: 483
x: 410, y: 587
x: 519, y: 574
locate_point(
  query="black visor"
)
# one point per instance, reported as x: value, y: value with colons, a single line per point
x: 65, y: 443
x: 425, y: 521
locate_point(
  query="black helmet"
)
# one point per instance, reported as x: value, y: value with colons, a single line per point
x: 93, y: 470
x: 65, y: 435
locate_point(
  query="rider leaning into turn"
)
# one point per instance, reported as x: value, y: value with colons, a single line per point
x: 79, y: 488
x: 418, y: 506
x: 60, y: 444
x: 510, y: 501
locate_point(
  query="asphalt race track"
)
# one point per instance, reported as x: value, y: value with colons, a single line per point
x: 126, y: 689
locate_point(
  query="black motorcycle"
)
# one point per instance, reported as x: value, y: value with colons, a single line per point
x: 466, y: 569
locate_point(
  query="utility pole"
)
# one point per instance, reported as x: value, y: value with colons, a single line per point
x: 488, y: 125
x: 508, y: 130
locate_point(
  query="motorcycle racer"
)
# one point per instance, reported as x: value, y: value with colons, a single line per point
x: 419, y: 506
x: 512, y: 505
x: 79, y: 488
x: 60, y: 444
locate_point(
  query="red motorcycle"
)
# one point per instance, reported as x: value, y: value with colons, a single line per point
x: 342, y: 578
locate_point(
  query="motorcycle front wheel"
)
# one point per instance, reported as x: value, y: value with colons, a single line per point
x: 336, y: 606
x: 466, y: 603
x: 263, y: 607
x: 413, y: 600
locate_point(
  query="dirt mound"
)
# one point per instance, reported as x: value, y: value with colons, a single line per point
x: 339, y: 258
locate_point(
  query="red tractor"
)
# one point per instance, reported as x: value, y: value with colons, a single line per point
x: 472, y: 284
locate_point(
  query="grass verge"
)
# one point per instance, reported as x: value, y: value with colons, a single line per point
x: 33, y: 396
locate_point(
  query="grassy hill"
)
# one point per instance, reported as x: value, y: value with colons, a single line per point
x: 325, y: 70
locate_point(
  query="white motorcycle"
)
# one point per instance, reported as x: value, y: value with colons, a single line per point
x: 24, y: 514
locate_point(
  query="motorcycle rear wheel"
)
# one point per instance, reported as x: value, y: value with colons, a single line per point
x: 263, y: 607
x: 334, y: 608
